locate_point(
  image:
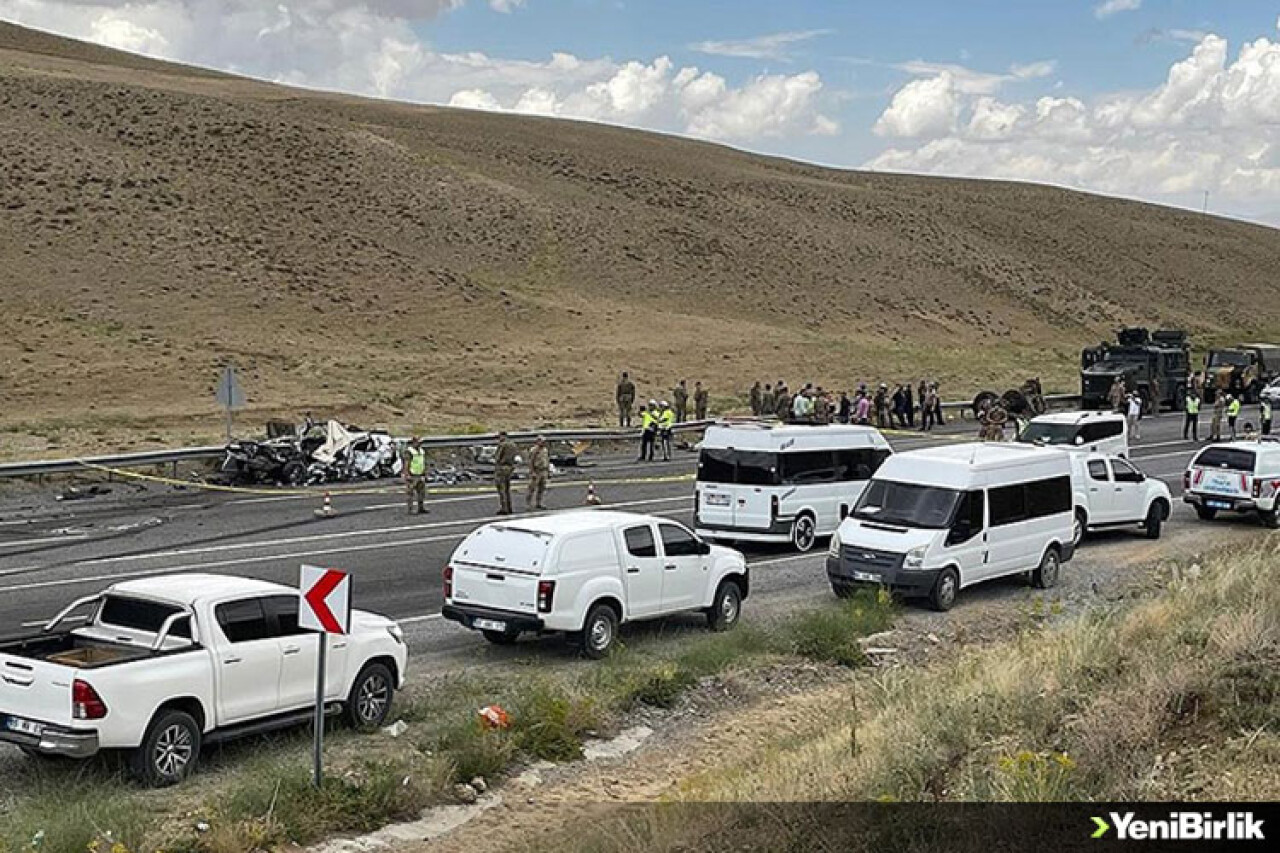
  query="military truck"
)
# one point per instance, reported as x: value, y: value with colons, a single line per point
x: 1243, y: 370
x: 1155, y: 365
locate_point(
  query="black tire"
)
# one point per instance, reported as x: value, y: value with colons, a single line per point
x: 502, y: 638
x: 945, y: 589
x: 1046, y: 574
x: 369, y: 703
x: 1270, y: 519
x: 1206, y: 514
x: 1079, y: 528
x: 599, y: 631
x: 726, y: 607
x: 804, y: 533
x: 294, y: 473
x: 169, y: 751
x: 1155, y: 519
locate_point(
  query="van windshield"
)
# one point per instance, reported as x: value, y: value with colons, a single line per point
x: 1049, y: 433
x: 740, y: 467
x: 908, y: 504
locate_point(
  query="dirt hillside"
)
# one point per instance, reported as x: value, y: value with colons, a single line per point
x: 413, y: 265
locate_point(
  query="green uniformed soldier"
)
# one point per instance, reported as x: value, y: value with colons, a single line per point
x: 757, y: 399
x: 1215, y: 423
x: 626, y: 398
x: 680, y: 398
x: 701, y: 398
x: 539, y: 472
x: 768, y: 401
x: 1117, y: 396
x: 996, y: 417
x: 782, y: 405
x: 504, y: 467
x: 415, y: 474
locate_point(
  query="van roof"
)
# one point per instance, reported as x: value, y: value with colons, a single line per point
x: 954, y: 465
x: 1076, y: 418
x: 767, y: 436
x: 572, y: 522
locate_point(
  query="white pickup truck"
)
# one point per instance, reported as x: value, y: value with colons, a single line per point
x: 164, y: 665
x: 1110, y: 493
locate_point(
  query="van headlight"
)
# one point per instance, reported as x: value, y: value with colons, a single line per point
x: 915, y: 558
x: 833, y: 550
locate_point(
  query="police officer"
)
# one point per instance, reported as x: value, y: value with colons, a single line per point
x: 648, y: 430
x: 680, y: 395
x: 415, y: 475
x: 757, y: 400
x: 626, y: 397
x: 701, y: 399
x: 1265, y: 405
x: 666, y: 423
x: 539, y: 472
x: 1233, y: 412
x: 1191, y: 426
x: 504, y: 468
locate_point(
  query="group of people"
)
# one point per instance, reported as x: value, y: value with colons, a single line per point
x: 879, y: 407
x: 657, y: 418
x: 505, y: 460
x: 1225, y: 406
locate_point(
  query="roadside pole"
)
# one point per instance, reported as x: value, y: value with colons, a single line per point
x: 230, y: 394
x: 324, y: 606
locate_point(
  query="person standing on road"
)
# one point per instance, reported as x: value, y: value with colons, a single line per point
x: 898, y: 401
x: 648, y: 430
x: 1191, y: 426
x: 768, y: 402
x: 539, y: 473
x: 504, y: 468
x: 626, y: 397
x: 415, y: 475
x: 1135, y: 416
x: 1215, y: 423
x: 701, y: 399
x: 1233, y: 412
x: 938, y: 420
x: 1117, y: 396
x: 881, y: 404
x: 666, y: 425
x: 680, y: 396
x: 862, y: 409
x: 757, y: 399
x: 909, y: 406
x: 845, y: 410
x: 1265, y: 416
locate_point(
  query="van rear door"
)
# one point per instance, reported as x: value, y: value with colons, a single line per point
x: 715, y: 488
x: 498, y: 567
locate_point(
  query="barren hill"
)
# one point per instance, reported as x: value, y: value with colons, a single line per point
x: 429, y: 266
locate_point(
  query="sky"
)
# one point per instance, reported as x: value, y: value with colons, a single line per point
x: 1161, y: 100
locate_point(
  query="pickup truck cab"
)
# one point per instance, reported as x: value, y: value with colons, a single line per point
x: 164, y: 665
x: 1111, y: 493
x: 1089, y: 432
x: 1238, y: 476
x: 585, y: 573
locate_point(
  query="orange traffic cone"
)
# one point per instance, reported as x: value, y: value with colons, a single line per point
x: 592, y: 498
x: 326, y: 509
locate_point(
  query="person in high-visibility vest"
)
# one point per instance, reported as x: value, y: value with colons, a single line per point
x: 415, y: 474
x: 1266, y: 415
x: 1191, y: 426
x: 648, y: 430
x: 1233, y: 412
x: 666, y: 421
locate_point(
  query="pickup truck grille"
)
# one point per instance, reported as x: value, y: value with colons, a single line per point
x: 870, y: 560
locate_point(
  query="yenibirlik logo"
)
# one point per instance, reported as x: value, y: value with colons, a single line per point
x: 1182, y: 826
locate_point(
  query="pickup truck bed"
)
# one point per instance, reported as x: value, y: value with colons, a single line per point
x: 71, y: 650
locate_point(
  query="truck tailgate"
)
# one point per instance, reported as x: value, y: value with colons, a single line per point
x: 499, y: 567
x: 33, y: 689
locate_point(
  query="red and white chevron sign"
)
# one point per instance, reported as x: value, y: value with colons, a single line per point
x: 326, y: 600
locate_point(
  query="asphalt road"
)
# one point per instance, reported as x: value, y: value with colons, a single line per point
x: 52, y: 553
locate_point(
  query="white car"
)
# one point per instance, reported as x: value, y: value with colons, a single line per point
x: 1111, y: 493
x: 164, y: 665
x: 1091, y: 432
x: 1239, y: 476
x: 585, y: 573
x: 934, y: 521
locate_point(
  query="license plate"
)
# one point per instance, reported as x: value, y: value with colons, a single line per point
x: 1217, y: 504
x: 25, y: 727
x: 717, y: 500
x: 489, y: 625
x: 866, y: 576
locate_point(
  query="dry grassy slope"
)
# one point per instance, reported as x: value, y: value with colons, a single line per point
x: 436, y: 266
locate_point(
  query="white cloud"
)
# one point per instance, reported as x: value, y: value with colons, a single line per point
x: 771, y: 46
x: 971, y: 82
x: 505, y: 6
x: 1214, y: 123
x: 1115, y: 7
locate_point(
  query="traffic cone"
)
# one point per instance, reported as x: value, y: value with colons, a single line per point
x: 326, y: 509
x: 592, y: 498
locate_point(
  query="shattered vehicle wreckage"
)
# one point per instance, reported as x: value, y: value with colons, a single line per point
x: 330, y: 453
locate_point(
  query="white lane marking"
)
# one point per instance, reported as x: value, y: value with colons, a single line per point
x: 298, y: 540
x: 1187, y: 453
x: 776, y: 560
x: 69, y: 538
x: 427, y: 618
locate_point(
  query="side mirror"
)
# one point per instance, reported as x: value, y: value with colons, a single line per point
x: 844, y: 511
x: 704, y: 548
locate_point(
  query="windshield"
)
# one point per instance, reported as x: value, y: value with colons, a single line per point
x: 1049, y: 433
x: 908, y: 505
x: 1232, y: 359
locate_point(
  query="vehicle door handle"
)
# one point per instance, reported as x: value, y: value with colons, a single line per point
x: 292, y: 650
x: 232, y: 660
x: 22, y: 681
x: 633, y: 570
x: 670, y: 567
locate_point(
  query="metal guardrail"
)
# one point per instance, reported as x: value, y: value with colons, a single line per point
x: 193, y: 454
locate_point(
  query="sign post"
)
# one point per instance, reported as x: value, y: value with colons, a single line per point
x: 325, y: 607
x: 230, y: 394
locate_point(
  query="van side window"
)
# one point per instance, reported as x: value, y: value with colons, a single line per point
x: 1100, y: 431
x: 1008, y: 505
x: 678, y: 542
x: 640, y: 542
x: 1048, y: 497
x: 858, y: 465
x: 969, y: 515
x: 810, y: 466
x: 242, y: 621
x: 1098, y: 470
x: 1125, y: 473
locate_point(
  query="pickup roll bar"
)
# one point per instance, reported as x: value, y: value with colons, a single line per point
x: 68, y: 610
